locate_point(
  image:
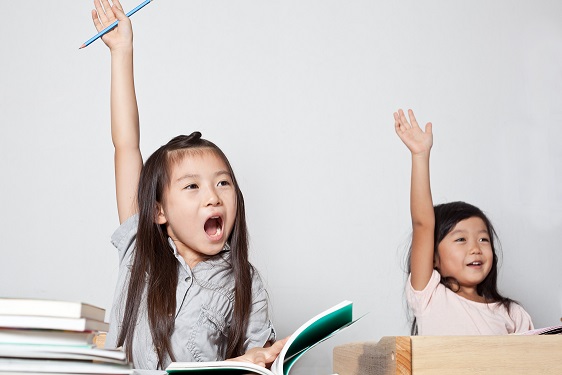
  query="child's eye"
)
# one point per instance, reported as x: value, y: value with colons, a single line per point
x: 191, y: 187
x: 224, y: 183
x: 484, y: 240
x: 460, y: 239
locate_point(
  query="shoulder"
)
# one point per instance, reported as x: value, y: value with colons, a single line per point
x: 258, y: 284
x: 125, y: 231
x: 433, y: 283
x: 125, y: 235
x: 435, y: 296
x: 521, y: 318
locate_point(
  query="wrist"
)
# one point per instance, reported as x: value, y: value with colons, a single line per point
x: 122, y: 51
x: 422, y: 155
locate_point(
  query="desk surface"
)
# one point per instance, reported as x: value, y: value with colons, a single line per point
x: 451, y: 355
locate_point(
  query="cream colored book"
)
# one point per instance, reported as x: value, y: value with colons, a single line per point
x: 53, y: 308
x: 45, y: 337
x: 49, y: 367
x: 47, y: 322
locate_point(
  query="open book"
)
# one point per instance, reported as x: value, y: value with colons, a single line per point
x: 552, y: 330
x: 318, y: 329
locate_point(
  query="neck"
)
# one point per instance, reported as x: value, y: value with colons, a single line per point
x: 471, y: 294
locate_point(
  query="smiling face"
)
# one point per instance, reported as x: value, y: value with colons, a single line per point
x: 199, y: 205
x: 466, y: 254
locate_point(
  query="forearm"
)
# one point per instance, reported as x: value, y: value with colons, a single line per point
x: 421, y: 203
x: 423, y: 222
x: 125, y: 132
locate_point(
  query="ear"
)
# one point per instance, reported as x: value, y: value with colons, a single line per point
x: 436, y: 261
x: 159, y: 215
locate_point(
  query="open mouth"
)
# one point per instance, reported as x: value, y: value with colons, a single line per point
x: 473, y: 264
x: 213, y: 227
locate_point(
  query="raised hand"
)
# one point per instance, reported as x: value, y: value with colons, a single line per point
x: 105, y: 14
x: 419, y: 143
x: 411, y: 134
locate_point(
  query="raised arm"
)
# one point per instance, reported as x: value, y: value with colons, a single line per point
x: 125, y: 131
x: 421, y: 204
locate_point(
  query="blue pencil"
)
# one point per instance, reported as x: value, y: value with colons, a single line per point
x: 113, y: 25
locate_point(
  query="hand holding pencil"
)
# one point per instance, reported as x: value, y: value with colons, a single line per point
x: 105, y: 17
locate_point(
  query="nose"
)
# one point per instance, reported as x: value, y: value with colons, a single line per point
x: 213, y: 199
x: 475, y: 248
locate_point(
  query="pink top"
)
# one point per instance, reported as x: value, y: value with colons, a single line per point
x: 440, y: 311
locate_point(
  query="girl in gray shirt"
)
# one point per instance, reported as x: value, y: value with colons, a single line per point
x: 186, y: 290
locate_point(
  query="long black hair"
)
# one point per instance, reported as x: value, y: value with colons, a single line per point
x: 155, y: 268
x: 447, y: 215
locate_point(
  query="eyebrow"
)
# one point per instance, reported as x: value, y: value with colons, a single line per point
x: 216, y: 174
x: 465, y: 231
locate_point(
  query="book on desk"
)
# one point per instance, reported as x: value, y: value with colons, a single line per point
x: 48, y: 336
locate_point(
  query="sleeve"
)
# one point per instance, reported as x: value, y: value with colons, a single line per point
x: 521, y: 318
x: 124, y: 238
x: 260, y: 329
x: 418, y: 300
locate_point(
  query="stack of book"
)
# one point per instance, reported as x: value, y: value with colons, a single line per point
x: 40, y: 336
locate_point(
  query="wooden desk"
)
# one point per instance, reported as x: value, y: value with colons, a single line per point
x: 451, y: 355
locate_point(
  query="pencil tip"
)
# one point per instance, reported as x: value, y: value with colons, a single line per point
x: 82, y: 46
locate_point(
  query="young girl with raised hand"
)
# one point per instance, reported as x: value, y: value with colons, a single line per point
x: 186, y: 290
x: 452, y: 285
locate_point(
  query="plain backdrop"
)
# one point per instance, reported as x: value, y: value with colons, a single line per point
x: 300, y: 95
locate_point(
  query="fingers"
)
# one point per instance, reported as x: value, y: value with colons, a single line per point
x: 396, y: 122
x: 118, y: 10
x: 118, y: 5
x: 96, y: 20
x: 274, y: 350
x: 401, y: 124
x: 428, y: 128
x: 119, y: 13
x: 108, y: 10
x: 100, y: 12
x: 412, y: 119
x: 268, y: 355
x: 104, y: 13
x: 260, y: 361
x: 283, y: 341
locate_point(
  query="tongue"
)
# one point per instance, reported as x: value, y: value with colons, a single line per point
x: 212, y: 226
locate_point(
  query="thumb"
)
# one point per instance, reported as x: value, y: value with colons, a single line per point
x: 274, y: 350
x: 428, y: 128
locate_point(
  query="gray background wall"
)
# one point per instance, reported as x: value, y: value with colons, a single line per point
x: 300, y: 95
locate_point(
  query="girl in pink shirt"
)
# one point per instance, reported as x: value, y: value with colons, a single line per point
x: 452, y: 286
